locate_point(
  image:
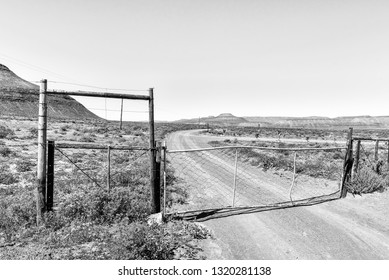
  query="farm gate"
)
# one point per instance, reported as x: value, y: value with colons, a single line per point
x: 233, y: 177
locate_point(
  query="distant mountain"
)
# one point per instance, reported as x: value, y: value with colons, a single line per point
x: 320, y: 122
x: 20, y: 98
x: 303, y: 122
x: 222, y: 119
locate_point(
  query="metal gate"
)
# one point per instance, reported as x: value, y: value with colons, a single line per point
x: 234, y: 177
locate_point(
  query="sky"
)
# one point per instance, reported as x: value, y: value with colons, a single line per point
x: 245, y: 57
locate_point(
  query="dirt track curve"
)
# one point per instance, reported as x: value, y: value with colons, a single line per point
x: 351, y: 228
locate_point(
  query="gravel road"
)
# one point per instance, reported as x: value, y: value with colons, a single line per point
x: 351, y: 228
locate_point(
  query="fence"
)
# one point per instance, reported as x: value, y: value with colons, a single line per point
x: 80, y: 167
x: 372, y: 153
x: 244, y: 176
x: 45, y: 173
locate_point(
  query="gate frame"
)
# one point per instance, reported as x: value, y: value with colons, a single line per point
x: 44, y: 191
x: 344, y: 177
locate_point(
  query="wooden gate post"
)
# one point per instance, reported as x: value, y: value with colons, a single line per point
x: 387, y: 160
x: 121, y: 115
x: 348, y: 163
x: 357, y: 152
x: 109, y: 168
x: 235, y: 177
x: 41, y: 168
x: 376, y: 150
x: 154, y: 186
x: 50, y: 176
x: 163, y: 151
x: 157, y: 186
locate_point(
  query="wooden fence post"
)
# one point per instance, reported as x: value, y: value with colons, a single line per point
x: 109, y: 168
x: 163, y: 150
x: 348, y: 164
x: 41, y: 168
x: 235, y: 177
x: 50, y: 176
x: 155, y: 200
x: 357, y: 152
x: 157, y: 186
x: 376, y: 150
x: 121, y: 115
x: 387, y: 160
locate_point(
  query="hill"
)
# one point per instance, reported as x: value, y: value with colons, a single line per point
x: 20, y: 98
x: 222, y: 119
x: 303, y: 122
x: 320, y: 122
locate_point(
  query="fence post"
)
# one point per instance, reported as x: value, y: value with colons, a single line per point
x: 357, y: 152
x: 157, y: 186
x: 121, y: 115
x: 376, y: 150
x: 41, y: 168
x: 387, y: 160
x: 109, y: 168
x: 155, y: 201
x: 50, y: 175
x: 164, y: 177
x: 235, y: 176
x: 348, y: 164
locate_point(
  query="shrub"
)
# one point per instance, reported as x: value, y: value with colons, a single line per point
x: 33, y: 132
x: 16, y: 212
x: 24, y: 166
x: 5, y: 151
x: 64, y: 128
x: 173, y: 240
x: 367, y: 181
x: 6, y: 177
x: 5, y: 132
x: 101, y: 206
x: 86, y: 138
x: 139, y: 241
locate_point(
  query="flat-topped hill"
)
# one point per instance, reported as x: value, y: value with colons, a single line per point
x: 286, y: 122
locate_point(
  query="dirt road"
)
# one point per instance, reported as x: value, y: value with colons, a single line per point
x: 351, y: 228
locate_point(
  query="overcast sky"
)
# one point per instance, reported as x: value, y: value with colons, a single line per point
x: 248, y: 58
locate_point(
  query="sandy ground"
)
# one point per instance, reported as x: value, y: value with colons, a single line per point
x: 351, y: 228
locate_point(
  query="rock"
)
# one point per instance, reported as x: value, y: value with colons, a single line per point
x: 155, y: 219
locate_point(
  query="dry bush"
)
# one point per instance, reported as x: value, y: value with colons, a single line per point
x: 367, y: 181
x: 89, y: 222
x: 5, y: 132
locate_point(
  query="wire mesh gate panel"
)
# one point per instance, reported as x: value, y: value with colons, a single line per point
x: 78, y: 170
x: 230, y: 177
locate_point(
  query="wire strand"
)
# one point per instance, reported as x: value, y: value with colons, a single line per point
x: 96, y: 87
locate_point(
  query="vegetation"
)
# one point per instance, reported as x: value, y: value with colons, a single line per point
x: 321, y: 164
x: 367, y: 181
x: 372, y: 176
x: 6, y: 132
x: 298, y: 133
x: 88, y: 221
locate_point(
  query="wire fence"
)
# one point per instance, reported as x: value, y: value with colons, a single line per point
x: 371, y: 154
x: 242, y: 176
x: 81, y: 170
